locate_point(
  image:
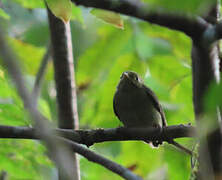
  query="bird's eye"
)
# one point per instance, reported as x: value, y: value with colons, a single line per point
x: 136, y: 78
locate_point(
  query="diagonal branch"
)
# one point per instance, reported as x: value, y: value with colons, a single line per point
x: 59, y: 153
x: 41, y: 73
x: 191, y: 26
x: 94, y: 157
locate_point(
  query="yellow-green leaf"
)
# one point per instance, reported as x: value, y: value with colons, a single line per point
x: 31, y: 4
x: 76, y: 13
x: 61, y: 9
x: 109, y: 17
x: 3, y: 14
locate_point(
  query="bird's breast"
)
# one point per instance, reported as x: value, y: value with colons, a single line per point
x: 135, y: 109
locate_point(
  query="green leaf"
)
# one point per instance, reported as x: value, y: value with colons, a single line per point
x: 31, y: 3
x: 28, y: 54
x: 109, y: 17
x: 188, y: 6
x: 37, y: 34
x: 213, y: 97
x: 3, y: 14
x: 118, y: 44
x: 178, y: 161
x: 11, y: 106
x: 179, y: 43
x: 61, y: 9
x: 76, y: 13
x: 146, y: 46
x: 139, y: 154
x: 26, y: 158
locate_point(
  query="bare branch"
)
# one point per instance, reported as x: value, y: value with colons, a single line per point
x: 192, y: 26
x: 41, y: 73
x: 64, y: 72
x: 64, y: 79
x: 205, y: 70
x: 89, y: 137
x: 213, y: 33
x: 94, y: 157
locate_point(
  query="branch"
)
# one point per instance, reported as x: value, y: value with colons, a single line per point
x: 194, y: 27
x: 191, y: 26
x: 205, y: 70
x: 213, y: 33
x: 30, y: 133
x: 41, y: 73
x: 89, y: 137
x: 66, y: 98
x: 94, y: 157
x: 64, y: 72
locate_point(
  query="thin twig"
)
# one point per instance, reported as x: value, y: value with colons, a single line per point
x: 180, y: 147
x: 41, y: 73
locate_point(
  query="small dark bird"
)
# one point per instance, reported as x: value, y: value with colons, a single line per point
x: 137, y: 106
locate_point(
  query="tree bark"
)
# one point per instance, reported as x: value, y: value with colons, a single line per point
x: 205, y: 69
x: 64, y: 78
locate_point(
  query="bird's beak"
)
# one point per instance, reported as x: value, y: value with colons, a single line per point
x: 125, y: 75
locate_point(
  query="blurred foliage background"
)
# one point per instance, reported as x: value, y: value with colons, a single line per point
x: 101, y: 53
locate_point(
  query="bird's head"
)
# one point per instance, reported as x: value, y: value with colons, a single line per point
x: 131, y: 78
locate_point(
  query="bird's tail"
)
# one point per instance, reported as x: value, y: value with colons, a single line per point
x: 156, y: 143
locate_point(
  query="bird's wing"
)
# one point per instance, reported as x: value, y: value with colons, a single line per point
x: 156, y: 104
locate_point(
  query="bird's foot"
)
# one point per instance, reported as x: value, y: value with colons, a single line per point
x: 156, y: 142
x: 156, y: 126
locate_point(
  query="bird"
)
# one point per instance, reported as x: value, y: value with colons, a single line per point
x: 137, y: 106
